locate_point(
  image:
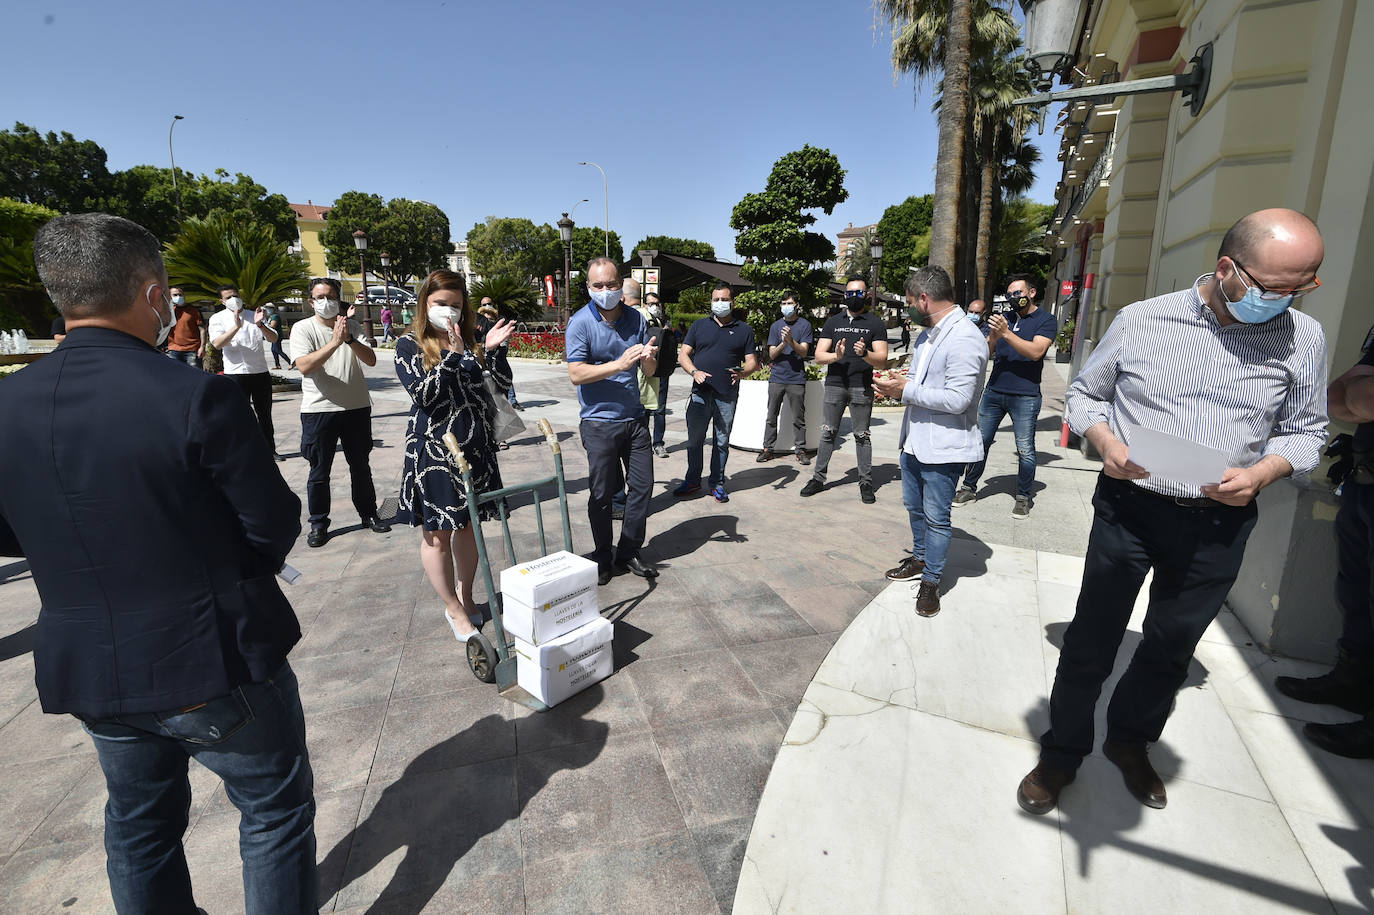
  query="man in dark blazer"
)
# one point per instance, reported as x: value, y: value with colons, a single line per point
x: 154, y: 520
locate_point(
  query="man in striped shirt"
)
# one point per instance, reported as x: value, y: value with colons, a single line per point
x: 1224, y: 363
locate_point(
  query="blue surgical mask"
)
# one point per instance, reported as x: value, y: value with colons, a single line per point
x: 722, y: 308
x: 788, y: 311
x: 606, y: 299
x: 1251, y: 309
x: 975, y: 318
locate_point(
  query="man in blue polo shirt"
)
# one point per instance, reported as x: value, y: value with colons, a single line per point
x: 606, y: 346
x: 717, y: 352
x: 1017, y: 342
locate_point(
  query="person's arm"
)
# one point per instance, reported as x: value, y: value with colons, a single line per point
x: 964, y: 368
x: 649, y: 361
x: 824, y: 354
x: 223, y: 339
x: 1088, y: 401
x: 877, y: 353
x: 308, y: 363
x: 1350, y: 398
x: 1299, y: 425
x: 426, y: 388
x: 357, y: 345
x: 204, y: 336
x: 582, y: 373
x: 684, y: 359
x: 1033, y: 349
x: 225, y: 439
x: 268, y: 333
x: 802, y: 347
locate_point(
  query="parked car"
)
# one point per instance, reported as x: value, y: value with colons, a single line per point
x: 377, y: 295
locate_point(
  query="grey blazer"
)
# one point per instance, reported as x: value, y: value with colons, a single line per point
x: 942, y: 404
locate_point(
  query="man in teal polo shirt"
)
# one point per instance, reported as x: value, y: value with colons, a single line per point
x: 606, y: 344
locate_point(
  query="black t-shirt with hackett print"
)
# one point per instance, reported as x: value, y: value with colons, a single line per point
x: 851, y: 370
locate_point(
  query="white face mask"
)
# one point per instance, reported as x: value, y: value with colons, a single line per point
x: 441, y: 316
x: 234, y: 303
x: 722, y: 308
x: 326, y: 308
x: 163, y: 329
x: 788, y: 311
x: 606, y: 299
x: 178, y: 300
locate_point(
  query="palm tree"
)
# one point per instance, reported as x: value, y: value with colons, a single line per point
x: 214, y: 251
x: 998, y: 78
x: 511, y: 295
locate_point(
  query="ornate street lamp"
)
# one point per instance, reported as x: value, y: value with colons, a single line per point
x: 875, y: 251
x: 360, y: 242
x: 386, y: 279
x: 171, y: 155
x: 565, y: 232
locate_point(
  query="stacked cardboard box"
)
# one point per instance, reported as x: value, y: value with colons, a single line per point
x: 550, y: 608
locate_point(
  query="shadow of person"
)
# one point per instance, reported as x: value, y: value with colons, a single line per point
x: 687, y: 536
x: 14, y: 570
x: 17, y: 643
x: 439, y: 813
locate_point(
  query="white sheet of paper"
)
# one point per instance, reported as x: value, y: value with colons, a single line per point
x: 1176, y: 459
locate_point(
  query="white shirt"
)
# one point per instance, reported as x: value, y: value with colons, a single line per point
x: 243, y: 354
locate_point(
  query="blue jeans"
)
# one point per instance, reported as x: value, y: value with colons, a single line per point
x: 928, y: 494
x: 707, y: 406
x: 1024, y: 410
x: 660, y: 413
x: 187, y: 356
x: 254, y: 739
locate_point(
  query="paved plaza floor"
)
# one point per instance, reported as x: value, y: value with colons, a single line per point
x: 891, y: 789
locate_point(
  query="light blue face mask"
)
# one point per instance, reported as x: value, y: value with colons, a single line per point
x: 975, y: 318
x: 1252, y: 307
x: 721, y: 308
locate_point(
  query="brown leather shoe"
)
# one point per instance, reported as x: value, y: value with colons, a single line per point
x: 1039, y: 790
x: 907, y: 569
x: 1140, y: 777
x: 928, y: 599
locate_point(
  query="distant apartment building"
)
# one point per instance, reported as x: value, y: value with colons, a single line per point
x: 844, y: 246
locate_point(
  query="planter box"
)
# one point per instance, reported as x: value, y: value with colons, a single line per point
x: 751, y: 412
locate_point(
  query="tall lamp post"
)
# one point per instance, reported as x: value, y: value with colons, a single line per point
x: 386, y: 279
x: 565, y: 232
x: 875, y: 251
x: 360, y: 241
x: 606, y: 192
x: 176, y: 190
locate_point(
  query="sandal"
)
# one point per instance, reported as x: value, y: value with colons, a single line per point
x: 504, y: 446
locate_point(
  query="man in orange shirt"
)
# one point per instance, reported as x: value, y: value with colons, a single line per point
x: 187, y: 339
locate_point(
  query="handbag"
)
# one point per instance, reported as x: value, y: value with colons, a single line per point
x: 505, y: 422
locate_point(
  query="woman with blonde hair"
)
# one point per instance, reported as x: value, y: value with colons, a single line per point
x: 440, y: 365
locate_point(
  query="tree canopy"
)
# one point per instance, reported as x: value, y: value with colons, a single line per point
x: 902, y: 227
x: 514, y: 296
x: 515, y: 246
x: 413, y: 233
x: 589, y: 242
x: 56, y: 171
x: 772, y: 230
x: 668, y: 244
x: 23, y: 301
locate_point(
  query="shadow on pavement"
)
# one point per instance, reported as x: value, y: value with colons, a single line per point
x: 439, y: 812
x: 685, y: 537
x: 17, y: 643
x: 13, y: 570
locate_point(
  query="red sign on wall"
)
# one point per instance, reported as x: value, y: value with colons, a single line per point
x: 1066, y: 287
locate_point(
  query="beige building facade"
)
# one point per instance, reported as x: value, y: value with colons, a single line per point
x: 1148, y: 190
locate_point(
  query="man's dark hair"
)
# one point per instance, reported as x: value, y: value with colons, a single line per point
x: 95, y: 264
x: 855, y: 278
x: 654, y: 294
x: 790, y: 294
x: 931, y: 280
x: 227, y: 288
x: 328, y: 281
x: 1029, y: 279
x: 721, y: 284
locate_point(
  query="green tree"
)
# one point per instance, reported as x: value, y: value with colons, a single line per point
x: 415, y: 234
x: 589, y: 242
x: 772, y: 228
x: 515, y: 246
x: 1021, y: 238
x: 513, y: 296
x: 683, y: 247
x: 352, y: 211
x: 145, y: 194
x: 56, y: 171
x: 902, y: 225
x: 23, y: 301
x: 218, y: 250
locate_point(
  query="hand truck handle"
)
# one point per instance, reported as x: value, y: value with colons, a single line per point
x: 451, y: 442
x: 549, y: 436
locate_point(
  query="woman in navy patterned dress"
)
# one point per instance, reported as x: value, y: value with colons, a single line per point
x: 441, y: 368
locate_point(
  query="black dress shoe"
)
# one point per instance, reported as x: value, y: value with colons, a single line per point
x: 377, y: 524
x: 1352, y: 739
x: 1140, y: 777
x: 603, y: 575
x: 637, y: 566
x: 518, y: 406
x: 1038, y: 792
x: 764, y: 456
x: 1347, y: 686
x: 318, y: 536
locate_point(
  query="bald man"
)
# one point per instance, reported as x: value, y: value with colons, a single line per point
x: 1241, y: 373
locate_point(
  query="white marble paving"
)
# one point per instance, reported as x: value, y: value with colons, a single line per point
x: 894, y: 790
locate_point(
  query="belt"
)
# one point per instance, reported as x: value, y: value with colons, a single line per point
x: 1194, y: 502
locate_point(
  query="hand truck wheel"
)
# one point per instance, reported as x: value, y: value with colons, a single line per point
x: 481, y: 658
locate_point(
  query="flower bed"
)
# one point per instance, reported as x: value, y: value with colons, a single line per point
x: 537, y: 346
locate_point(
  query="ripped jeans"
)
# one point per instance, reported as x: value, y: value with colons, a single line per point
x: 860, y: 404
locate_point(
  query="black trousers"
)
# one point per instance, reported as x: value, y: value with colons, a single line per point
x: 258, y: 389
x: 619, y: 456
x: 1195, y: 553
x: 1355, y: 573
x: 321, y: 433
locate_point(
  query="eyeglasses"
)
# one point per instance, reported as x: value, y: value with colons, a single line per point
x: 1296, y: 292
x: 615, y: 284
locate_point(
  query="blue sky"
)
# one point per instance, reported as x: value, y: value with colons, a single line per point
x: 485, y: 108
